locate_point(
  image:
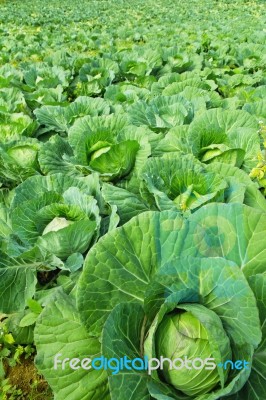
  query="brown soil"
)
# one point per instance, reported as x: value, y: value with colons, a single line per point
x: 24, y: 376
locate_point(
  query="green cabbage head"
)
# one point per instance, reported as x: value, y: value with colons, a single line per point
x: 181, y: 336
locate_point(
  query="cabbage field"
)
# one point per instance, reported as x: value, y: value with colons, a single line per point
x: 132, y: 200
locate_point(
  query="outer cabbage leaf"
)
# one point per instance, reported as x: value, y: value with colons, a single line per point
x: 70, y: 339
x: 241, y: 189
x: 18, y: 277
x: 257, y: 108
x: 137, y: 250
x: 60, y: 118
x: 232, y: 231
x: 162, y: 112
x: 255, y: 387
